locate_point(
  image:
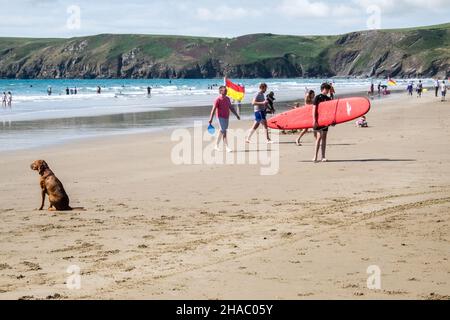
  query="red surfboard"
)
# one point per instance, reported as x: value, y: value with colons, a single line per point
x: 330, y: 113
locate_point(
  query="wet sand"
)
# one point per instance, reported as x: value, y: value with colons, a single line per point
x: 155, y: 230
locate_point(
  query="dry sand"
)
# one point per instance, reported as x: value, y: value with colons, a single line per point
x: 155, y: 230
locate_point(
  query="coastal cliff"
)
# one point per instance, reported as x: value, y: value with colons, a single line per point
x: 419, y: 52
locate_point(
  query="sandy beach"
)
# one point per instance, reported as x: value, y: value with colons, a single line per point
x: 156, y: 230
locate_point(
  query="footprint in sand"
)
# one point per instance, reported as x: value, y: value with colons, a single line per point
x: 309, y: 294
x: 287, y: 235
x: 32, y: 266
x: 5, y: 266
x: 56, y: 296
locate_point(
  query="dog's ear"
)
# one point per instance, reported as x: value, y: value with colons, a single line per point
x: 42, y: 167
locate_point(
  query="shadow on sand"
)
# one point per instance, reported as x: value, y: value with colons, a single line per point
x: 312, y: 144
x: 367, y: 160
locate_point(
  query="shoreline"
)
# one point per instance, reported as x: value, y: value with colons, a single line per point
x: 133, y: 123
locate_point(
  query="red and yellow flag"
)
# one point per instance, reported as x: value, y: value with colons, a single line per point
x: 392, y: 82
x: 235, y: 92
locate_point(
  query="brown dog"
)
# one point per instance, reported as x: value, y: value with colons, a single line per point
x: 59, y: 200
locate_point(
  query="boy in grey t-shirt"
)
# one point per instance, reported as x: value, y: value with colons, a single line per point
x: 259, y: 106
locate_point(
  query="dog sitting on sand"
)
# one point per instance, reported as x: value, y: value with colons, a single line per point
x: 50, y: 185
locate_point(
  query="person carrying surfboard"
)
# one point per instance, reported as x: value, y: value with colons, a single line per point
x: 260, y: 105
x: 222, y: 105
x: 321, y: 132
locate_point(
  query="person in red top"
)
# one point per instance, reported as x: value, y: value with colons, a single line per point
x: 222, y: 105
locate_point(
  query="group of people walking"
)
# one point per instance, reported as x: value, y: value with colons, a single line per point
x: 262, y: 105
x: 7, y: 99
x: 419, y: 89
x: 442, y: 87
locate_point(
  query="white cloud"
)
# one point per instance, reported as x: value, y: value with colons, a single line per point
x: 317, y: 9
x: 225, y: 13
x: 404, y: 6
x: 304, y: 8
x: 47, y: 18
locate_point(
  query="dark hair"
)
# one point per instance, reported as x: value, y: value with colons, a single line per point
x: 263, y: 85
x: 271, y: 93
x: 222, y: 87
x: 325, y: 86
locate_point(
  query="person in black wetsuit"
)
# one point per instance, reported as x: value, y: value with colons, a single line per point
x: 321, y: 132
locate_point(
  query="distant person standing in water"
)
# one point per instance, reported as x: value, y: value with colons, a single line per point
x: 379, y: 89
x: 99, y: 90
x: 436, y: 87
x: 372, y: 90
x: 4, y: 99
x: 75, y: 91
x: 49, y: 91
x: 9, y: 99
x: 67, y: 91
x: 149, y: 91
x: 260, y: 105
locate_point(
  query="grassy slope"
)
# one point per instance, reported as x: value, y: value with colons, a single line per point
x: 426, y: 43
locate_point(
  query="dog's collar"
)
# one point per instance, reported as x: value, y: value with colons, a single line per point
x: 46, y: 173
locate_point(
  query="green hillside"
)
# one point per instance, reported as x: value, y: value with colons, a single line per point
x: 423, y: 51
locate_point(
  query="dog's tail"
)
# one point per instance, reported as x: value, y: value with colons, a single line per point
x: 77, y: 209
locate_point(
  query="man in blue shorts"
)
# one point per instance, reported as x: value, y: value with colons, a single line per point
x: 260, y: 105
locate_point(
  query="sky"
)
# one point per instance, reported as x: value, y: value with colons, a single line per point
x: 231, y: 18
